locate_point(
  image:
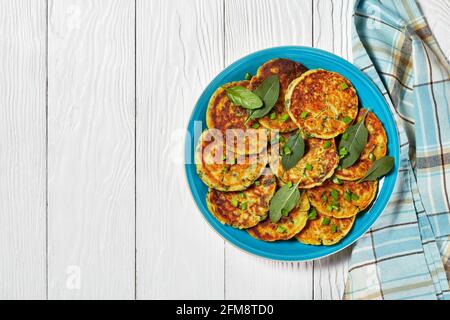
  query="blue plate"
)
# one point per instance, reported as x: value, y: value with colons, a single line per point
x: 369, y: 96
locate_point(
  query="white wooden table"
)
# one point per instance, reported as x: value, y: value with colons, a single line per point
x: 94, y: 99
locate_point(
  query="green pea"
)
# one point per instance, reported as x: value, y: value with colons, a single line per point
x: 347, y: 120
x: 336, y: 180
x: 273, y: 116
x: 343, y: 85
x: 345, y: 136
x: 312, y: 214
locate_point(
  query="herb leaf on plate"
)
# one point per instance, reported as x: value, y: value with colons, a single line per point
x: 379, y: 168
x: 268, y: 91
x: 283, y: 201
x: 356, y: 139
x: 293, y: 151
x: 243, y: 97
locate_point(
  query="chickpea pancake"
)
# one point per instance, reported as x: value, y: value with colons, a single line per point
x: 221, y: 169
x: 375, y: 148
x: 287, y: 227
x: 323, y: 104
x: 317, y: 165
x: 243, y: 209
x: 231, y: 119
x: 325, y: 230
x: 343, y: 200
x: 287, y: 70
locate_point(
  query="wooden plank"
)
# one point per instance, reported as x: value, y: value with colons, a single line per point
x: 437, y: 13
x: 251, y: 26
x: 333, y: 26
x: 22, y: 149
x: 332, y: 32
x: 91, y: 149
x: 178, y: 254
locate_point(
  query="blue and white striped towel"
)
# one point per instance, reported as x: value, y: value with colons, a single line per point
x: 406, y: 253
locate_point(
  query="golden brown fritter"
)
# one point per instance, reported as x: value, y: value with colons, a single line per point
x: 322, y: 103
x: 243, y: 209
x: 325, y: 230
x: 343, y: 200
x: 375, y: 148
x: 231, y: 119
x: 317, y: 165
x: 287, y: 227
x: 287, y: 70
x: 223, y: 170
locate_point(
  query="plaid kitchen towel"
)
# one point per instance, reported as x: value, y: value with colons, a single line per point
x: 406, y: 253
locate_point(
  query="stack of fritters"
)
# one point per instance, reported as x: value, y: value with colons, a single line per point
x: 242, y: 181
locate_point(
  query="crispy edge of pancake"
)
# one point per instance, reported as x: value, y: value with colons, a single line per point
x: 277, y: 124
x: 275, y: 163
x: 314, y: 233
x: 362, y: 165
x: 260, y: 143
x: 362, y: 203
x: 259, y: 136
x: 288, y: 101
x: 268, y: 231
x: 255, y: 202
x: 346, y: 209
x: 218, y: 184
x: 366, y: 191
x: 210, y: 123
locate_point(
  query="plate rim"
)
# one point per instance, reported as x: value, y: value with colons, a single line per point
x: 188, y: 153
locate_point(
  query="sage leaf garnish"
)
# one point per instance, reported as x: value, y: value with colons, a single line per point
x: 296, y: 146
x: 248, y: 76
x: 357, y: 136
x: 268, y: 91
x: 378, y: 169
x: 243, y: 97
x: 285, y: 199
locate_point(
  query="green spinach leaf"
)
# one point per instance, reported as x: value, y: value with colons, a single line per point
x: 357, y: 136
x: 268, y: 91
x: 243, y: 97
x: 285, y: 199
x: 296, y: 146
x: 379, y: 168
